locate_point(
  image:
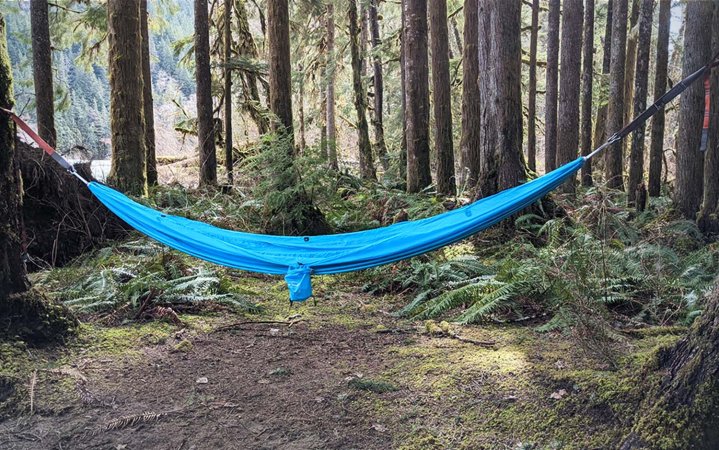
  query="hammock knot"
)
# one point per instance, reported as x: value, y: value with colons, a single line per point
x: 299, y: 282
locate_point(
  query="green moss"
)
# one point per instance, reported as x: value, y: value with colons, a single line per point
x: 376, y: 386
x: 127, y: 340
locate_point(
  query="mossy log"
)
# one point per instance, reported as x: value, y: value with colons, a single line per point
x: 681, y: 408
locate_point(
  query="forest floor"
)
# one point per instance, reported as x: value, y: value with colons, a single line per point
x: 341, y: 373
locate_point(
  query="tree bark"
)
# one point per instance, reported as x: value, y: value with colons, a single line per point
x: 280, y: 71
x: 500, y: 62
x: 127, y: 118
x: 444, y: 147
x: 147, y: 102
x: 331, y: 65
x: 656, y: 149
x: 250, y: 95
x: 469, y: 145
x: 13, y: 278
x: 568, y: 112
x: 203, y: 77
x: 614, y: 160
x: 641, y: 80
x: 600, y: 127
x: 679, y: 408
x: 378, y: 81
x: 42, y: 70
x: 367, y: 170
x: 532, y: 115
x: 403, y: 80
x: 301, y: 108
x: 587, y: 93
x: 631, y: 61
x: 229, y: 163
x: 690, y: 161
x: 417, y: 88
x: 551, y: 96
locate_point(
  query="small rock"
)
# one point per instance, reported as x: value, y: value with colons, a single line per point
x: 379, y: 427
x: 263, y: 381
x: 274, y: 331
x: 202, y: 380
x: 558, y: 395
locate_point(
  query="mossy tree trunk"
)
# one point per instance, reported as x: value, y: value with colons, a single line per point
x: 250, y: 94
x: 469, y: 145
x: 532, y: 113
x: 378, y: 85
x: 366, y: 163
x: 127, y: 119
x: 330, y: 94
x: 600, y: 127
x: 442, y: 97
x: 227, y: 54
x: 42, y: 70
x: 150, y: 159
x: 587, y: 92
x: 680, y: 408
x: 552, y: 87
x: 203, y: 76
x: 614, y: 159
x: 656, y: 149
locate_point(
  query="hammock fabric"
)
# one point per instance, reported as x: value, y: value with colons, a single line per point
x: 300, y: 257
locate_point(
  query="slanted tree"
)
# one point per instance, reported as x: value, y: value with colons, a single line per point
x: 614, y: 160
x: 600, y: 127
x: 690, y: 161
x: 469, y: 145
x: 203, y: 77
x: 127, y: 118
x: 42, y: 71
x: 532, y: 114
x: 656, y: 149
x: 442, y: 96
x: 641, y: 80
x: 378, y: 85
x: 568, y: 111
x: 500, y: 65
x: 147, y: 102
x: 227, y: 29
x: 552, y: 87
x: 417, y: 89
x: 367, y: 170
x: 330, y: 95
x: 587, y: 93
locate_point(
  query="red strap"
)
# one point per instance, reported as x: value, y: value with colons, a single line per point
x: 29, y: 131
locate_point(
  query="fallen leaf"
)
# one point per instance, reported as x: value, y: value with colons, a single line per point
x: 558, y: 395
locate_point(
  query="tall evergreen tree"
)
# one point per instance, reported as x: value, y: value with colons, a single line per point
x: 532, y: 114
x: 587, y: 93
x: 469, y: 145
x: 500, y: 62
x: 203, y: 77
x: 330, y: 95
x: 600, y: 127
x: 280, y: 70
x: 367, y: 170
x: 403, y: 88
x: 444, y: 147
x: 42, y: 70
x: 378, y: 85
x: 614, y: 160
x: 641, y: 81
x: 227, y: 29
x: 552, y: 87
x: 690, y: 161
x: 417, y: 89
x: 568, y: 112
x: 656, y: 149
x: 127, y: 118
x: 149, y: 110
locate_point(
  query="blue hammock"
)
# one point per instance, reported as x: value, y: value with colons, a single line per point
x: 300, y: 257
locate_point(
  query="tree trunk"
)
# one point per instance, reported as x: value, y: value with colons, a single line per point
x: 690, y: 161
x: 203, y: 78
x: 127, y: 118
x: 679, y: 409
x: 568, y: 112
x: 550, y: 109
x: 250, y: 94
x: 280, y: 71
x: 403, y: 84
x: 532, y: 115
x: 614, y: 160
x: 42, y: 71
x: 708, y: 220
x: 641, y: 74
x: 229, y: 166
x: 149, y: 110
x: 417, y: 87
x: 378, y: 81
x: 469, y: 145
x: 331, y: 65
x: 455, y: 32
x: 587, y: 93
x: 500, y: 62
x: 444, y: 147
x: 656, y: 150
x: 13, y: 278
x: 367, y: 170
x: 301, y: 108
x: 631, y: 61
x: 600, y: 128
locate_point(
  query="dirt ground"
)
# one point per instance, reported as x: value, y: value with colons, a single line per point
x: 346, y: 376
